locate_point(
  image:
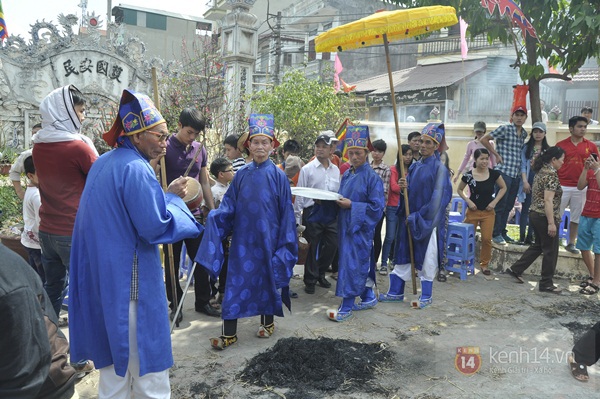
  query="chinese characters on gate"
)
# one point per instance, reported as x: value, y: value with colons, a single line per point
x: 87, y: 65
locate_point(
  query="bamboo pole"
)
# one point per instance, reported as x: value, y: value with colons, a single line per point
x: 163, y: 180
x: 405, y: 191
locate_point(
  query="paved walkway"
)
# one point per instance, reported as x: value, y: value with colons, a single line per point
x: 522, y: 338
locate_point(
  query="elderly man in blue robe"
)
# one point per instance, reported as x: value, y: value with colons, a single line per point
x: 429, y: 193
x: 257, y: 212
x: 361, y: 208
x: 117, y: 303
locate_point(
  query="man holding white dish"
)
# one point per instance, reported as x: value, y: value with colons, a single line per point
x: 319, y: 217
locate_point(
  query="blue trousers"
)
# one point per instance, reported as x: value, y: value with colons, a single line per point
x: 56, y: 258
x: 506, y: 204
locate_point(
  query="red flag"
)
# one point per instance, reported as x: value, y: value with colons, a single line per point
x: 463, y: 39
x: 338, y: 68
x: 346, y: 87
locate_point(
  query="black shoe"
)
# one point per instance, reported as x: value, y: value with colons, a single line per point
x: 441, y: 277
x: 323, y: 282
x: 293, y: 294
x: 515, y: 275
x: 309, y: 288
x: 209, y: 310
x: 179, y: 316
x: 508, y: 239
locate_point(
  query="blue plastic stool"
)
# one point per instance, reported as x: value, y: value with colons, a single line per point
x: 460, y: 252
x: 565, y: 225
x: 454, y: 206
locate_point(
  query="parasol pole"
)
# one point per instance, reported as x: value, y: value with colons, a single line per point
x: 465, y: 87
x: 163, y: 181
x: 405, y: 191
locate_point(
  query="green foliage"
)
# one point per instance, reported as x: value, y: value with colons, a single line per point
x: 568, y: 31
x: 8, y: 155
x: 10, y: 204
x: 303, y: 107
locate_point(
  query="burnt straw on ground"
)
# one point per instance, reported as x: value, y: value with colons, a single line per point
x: 323, y: 364
x: 579, y: 308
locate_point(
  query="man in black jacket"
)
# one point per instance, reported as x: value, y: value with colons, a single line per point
x: 34, y: 361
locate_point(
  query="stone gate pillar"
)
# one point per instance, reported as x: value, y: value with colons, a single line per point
x: 239, y: 46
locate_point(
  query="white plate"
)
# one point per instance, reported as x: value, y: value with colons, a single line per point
x: 315, y: 193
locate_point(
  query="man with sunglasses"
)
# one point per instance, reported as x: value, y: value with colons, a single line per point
x: 116, y: 291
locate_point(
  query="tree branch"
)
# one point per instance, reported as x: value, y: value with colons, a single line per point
x: 561, y: 76
x: 559, y: 50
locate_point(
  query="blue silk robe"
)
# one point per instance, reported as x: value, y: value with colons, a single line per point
x: 356, y: 228
x: 123, y: 212
x: 257, y: 211
x: 429, y: 193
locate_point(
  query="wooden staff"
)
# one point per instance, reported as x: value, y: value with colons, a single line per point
x: 163, y: 180
x: 404, y: 190
x: 198, y: 151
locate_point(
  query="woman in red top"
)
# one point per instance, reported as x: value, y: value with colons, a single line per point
x: 391, y: 209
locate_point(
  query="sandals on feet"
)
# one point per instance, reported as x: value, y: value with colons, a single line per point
x: 265, y: 331
x: 223, y: 341
x: 586, y: 282
x: 578, y: 370
x: 441, y: 277
x: 515, y: 275
x: 551, y: 290
x: 486, y: 272
x: 589, y: 289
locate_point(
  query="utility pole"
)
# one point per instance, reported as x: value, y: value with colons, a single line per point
x: 277, y: 32
x: 108, y: 12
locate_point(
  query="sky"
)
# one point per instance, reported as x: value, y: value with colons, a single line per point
x: 20, y: 14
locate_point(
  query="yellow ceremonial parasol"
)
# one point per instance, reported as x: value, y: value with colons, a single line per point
x: 383, y: 27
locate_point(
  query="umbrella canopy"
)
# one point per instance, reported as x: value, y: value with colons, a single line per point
x: 399, y: 24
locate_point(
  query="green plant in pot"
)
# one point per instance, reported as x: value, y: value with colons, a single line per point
x: 11, y: 207
x: 7, y: 157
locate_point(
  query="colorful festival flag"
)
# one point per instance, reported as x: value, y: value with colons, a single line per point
x: 341, y: 136
x: 516, y: 14
x: 3, y: 31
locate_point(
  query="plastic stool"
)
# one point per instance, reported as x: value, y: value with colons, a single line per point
x: 461, y: 249
x: 461, y: 240
x: 455, y: 217
x: 456, y: 201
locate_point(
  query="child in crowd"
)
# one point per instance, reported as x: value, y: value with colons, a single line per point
x: 222, y: 171
x: 233, y: 153
x: 31, y: 219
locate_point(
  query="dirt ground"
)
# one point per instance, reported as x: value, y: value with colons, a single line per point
x: 520, y: 335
